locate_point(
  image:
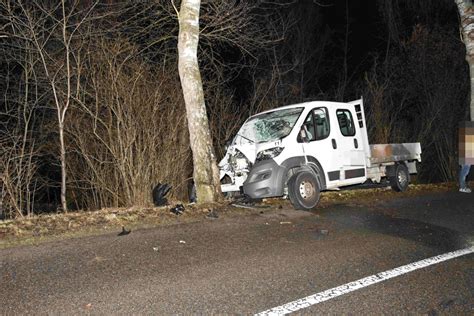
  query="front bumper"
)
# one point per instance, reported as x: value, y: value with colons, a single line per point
x: 266, y: 179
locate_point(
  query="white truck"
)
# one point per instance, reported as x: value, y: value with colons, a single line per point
x: 299, y: 150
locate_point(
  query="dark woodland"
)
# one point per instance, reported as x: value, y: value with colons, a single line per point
x: 92, y: 88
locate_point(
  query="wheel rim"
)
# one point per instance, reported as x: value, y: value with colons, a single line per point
x: 402, y: 178
x: 306, y: 189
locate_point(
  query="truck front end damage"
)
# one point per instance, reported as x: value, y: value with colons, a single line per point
x: 248, y: 165
x: 234, y: 169
x: 250, y: 169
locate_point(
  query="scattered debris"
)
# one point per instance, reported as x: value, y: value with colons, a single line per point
x: 124, y: 232
x: 212, y: 214
x: 156, y: 248
x: 98, y: 259
x: 285, y: 223
x: 244, y: 201
x: 241, y: 205
x: 320, y: 234
x: 159, y: 193
x: 182, y: 242
x: 88, y: 306
x: 178, y: 209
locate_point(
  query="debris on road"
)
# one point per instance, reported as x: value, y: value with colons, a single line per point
x: 178, y: 209
x: 320, y: 234
x: 124, y: 232
x: 156, y: 248
x: 242, y: 205
x: 244, y: 201
x: 212, y: 214
x: 285, y: 223
x: 182, y: 242
x: 159, y: 193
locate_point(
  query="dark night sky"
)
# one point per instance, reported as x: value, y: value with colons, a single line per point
x: 367, y: 29
x: 362, y: 20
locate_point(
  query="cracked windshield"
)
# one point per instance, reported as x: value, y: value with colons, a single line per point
x: 268, y: 127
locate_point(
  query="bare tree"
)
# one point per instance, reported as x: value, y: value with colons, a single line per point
x: 466, y: 13
x: 205, y: 171
x: 51, y: 32
x: 21, y: 95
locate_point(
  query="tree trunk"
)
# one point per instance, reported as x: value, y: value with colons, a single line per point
x: 466, y: 13
x: 63, y: 167
x: 205, y: 172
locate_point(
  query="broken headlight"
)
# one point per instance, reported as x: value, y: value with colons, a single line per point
x: 239, y: 162
x: 269, y: 153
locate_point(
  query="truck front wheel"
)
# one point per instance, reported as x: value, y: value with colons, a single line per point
x: 303, y: 190
x: 400, y: 179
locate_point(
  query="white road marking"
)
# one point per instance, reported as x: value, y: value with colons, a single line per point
x: 361, y: 283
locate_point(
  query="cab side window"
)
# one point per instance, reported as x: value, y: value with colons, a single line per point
x: 316, y: 125
x: 321, y: 123
x: 308, y: 126
x: 346, y: 123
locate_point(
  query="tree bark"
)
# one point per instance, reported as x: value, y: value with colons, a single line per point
x: 205, y: 171
x: 63, y: 167
x: 466, y: 13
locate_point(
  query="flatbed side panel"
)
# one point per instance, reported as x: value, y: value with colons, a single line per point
x: 383, y: 153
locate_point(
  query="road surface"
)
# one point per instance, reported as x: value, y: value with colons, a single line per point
x: 253, y: 263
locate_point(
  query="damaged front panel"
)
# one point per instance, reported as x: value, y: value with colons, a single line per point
x: 258, y: 139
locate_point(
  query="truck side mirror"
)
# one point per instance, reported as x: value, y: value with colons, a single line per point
x: 303, y: 134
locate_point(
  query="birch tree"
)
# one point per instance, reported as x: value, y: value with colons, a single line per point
x: 205, y: 171
x: 466, y: 13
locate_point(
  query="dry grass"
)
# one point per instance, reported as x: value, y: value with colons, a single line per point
x: 74, y: 224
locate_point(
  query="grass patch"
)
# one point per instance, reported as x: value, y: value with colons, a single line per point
x: 42, y: 228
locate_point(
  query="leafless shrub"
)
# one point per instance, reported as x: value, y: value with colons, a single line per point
x: 384, y: 105
x: 129, y: 131
x: 434, y: 62
x: 416, y: 94
x: 21, y: 94
x: 18, y: 182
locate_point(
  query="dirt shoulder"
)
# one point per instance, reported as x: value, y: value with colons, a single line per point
x: 43, y: 228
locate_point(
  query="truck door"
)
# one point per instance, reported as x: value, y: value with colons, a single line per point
x: 347, y: 139
x: 320, y: 144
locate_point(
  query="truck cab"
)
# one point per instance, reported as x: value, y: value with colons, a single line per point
x: 300, y: 150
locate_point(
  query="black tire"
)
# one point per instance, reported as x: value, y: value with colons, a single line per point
x: 303, y: 190
x: 400, y: 179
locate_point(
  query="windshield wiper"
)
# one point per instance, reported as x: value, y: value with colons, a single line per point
x: 246, y: 138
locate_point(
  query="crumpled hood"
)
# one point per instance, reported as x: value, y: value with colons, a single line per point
x: 250, y: 151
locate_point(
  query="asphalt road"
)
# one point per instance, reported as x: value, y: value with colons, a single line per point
x: 249, y: 264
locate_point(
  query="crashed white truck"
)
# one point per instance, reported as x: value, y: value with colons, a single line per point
x: 299, y: 150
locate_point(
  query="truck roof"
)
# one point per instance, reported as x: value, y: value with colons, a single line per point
x: 304, y: 105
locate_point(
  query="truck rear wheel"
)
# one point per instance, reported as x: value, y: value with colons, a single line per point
x: 400, y: 179
x: 304, y: 192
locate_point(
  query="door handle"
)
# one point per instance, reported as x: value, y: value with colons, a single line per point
x: 356, y: 144
x: 334, y: 145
